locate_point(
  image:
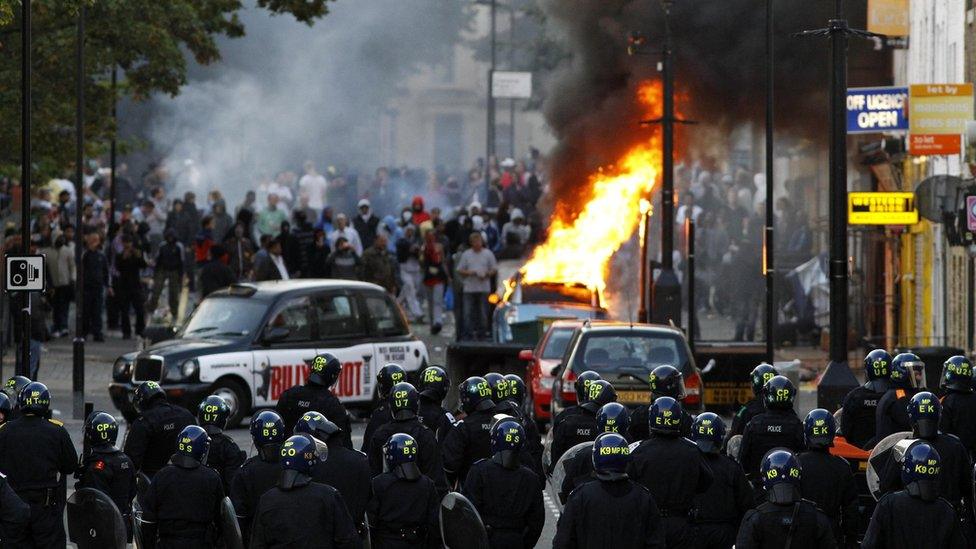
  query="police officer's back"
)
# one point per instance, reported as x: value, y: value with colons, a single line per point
x: 151, y: 438
x: 509, y: 397
x: 434, y: 384
x: 580, y: 387
x: 827, y: 479
x: 386, y: 377
x: 664, y: 380
x: 613, y: 511
x: 581, y: 427
x: 505, y: 492
x: 915, y: 517
x: 959, y: 402
x: 182, y: 503
x: 784, y: 520
x: 719, y: 510
x: 225, y: 457
x: 260, y: 472
x: 316, y: 395
x: 298, y: 512
x: 403, y: 511
x: 857, y: 420
x: 755, y: 406
x: 106, y: 468
x: 891, y: 415
x: 468, y: 440
x: 12, y: 388
x: 613, y: 417
x: 673, y: 469
x: 36, y: 454
x: 777, y: 427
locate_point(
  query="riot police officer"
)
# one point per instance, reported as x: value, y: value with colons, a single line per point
x: 106, y: 468
x: 915, y: 517
x: 297, y: 509
x: 6, y: 408
x: 719, y: 510
x: 959, y: 402
x: 613, y: 417
x: 613, y: 511
x: 12, y: 389
x: 673, y: 469
x: 581, y: 427
x: 512, y: 403
x: 777, y: 427
x: 665, y: 380
x: 260, y: 472
x: 182, y: 505
x: 755, y: 406
x: 580, y: 386
x: 468, y: 439
x: 404, y: 509
x: 316, y: 395
x: 827, y: 479
x: 37, y: 455
x: 434, y: 384
x: 891, y: 415
x: 386, y: 377
x: 499, y: 387
x: 784, y: 520
x: 506, y: 493
x: 857, y: 420
x: 346, y: 470
x: 151, y: 438
x: 225, y: 456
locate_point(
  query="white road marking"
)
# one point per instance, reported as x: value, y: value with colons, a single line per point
x: 553, y: 508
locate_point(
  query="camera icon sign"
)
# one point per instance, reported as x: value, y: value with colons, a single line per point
x: 24, y: 273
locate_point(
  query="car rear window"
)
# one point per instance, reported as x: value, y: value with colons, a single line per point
x: 556, y: 293
x: 556, y: 344
x: 610, y: 351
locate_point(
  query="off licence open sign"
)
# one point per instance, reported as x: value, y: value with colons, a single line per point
x: 864, y: 208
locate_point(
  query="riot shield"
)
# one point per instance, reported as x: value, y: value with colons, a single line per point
x: 94, y: 521
x: 461, y: 526
x: 889, y: 449
x: 230, y: 531
x: 733, y: 447
x: 547, y: 451
x: 143, y: 532
x: 559, y: 471
x: 142, y: 485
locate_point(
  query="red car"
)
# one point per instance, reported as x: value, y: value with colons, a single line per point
x: 546, y: 356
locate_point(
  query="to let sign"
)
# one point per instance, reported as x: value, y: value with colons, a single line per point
x: 881, y: 208
x: 872, y: 110
x: 937, y: 117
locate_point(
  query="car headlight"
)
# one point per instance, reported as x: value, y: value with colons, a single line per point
x: 189, y: 368
x: 120, y: 368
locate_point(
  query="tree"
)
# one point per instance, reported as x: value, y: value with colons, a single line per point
x: 149, y: 42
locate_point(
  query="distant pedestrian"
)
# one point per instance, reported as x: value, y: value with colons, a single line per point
x: 436, y: 277
x: 168, y: 270
x: 343, y: 230
x: 366, y: 223
x: 240, y: 252
x: 476, y: 267
x: 215, y: 274
x: 271, y: 266
x: 378, y: 265
x: 127, y: 286
x: 343, y: 262
x: 94, y: 267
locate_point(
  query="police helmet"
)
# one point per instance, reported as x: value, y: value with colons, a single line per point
x: 475, y: 395
x: 907, y: 371
x: 101, y: 429
x: 666, y: 380
x: 213, y: 412
x: 877, y: 364
x: 404, y: 401
x: 600, y: 392
x: 516, y: 389
x: 34, y: 399
x: 920, y: 471
x: 507, y: 437
x: 267, y: 427
x: 316, y: 425
x: 780, y: 472
x: 924, y: 412
x: 400, y: 456
x: 192, y: 446
x: 708, y: 432
x: 325, y: 370
x: 819, y: 429
x: 611, y: 455
x: 388, y: 376
x: 14, y: 385
x: 760, y: 375
x: 499, y: 387
x: 5, y: 407
x: 582, y: 385
x: 957, y: 374
x: 779, y: 393
x: 434, y: 383
x: 299, y: 454
x: 613, y: 417
x: 146, y: 393
x: 664, y: 417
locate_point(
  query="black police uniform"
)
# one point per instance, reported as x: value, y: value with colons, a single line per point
x: 428, y: 457
x: 33, y: 451
x: 640, y: 427
x: 533, y: 440
x: 891, y: 415
x: 773, y: 526
x: 184, y: 502
x: 857, y: 420
x: 347, y: 471
x: 572, y: 430
x: 435, y: 417
x: 745, y: 414
x: 901, y: 521
x: 579, y: 470
x: 258, y: 475
x: 109, y: 470
x: 14, y: 513
x: 225, y: 457
x: 509, y: 502
x: 959, y: 417
x: 674, y: 471
x: 403, y: 513
x: 380, y: 416
x: 307, y: 515
x: 828, y: 482
x: 299, y: 399
x: 467, y: 442
x: 955, y: 479
x: 610, y: 513
x: 719, y: 510
x: 771, y: 429
x: 151, y: 439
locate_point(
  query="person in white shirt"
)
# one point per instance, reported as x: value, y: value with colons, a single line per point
x: 314, y: 185
x: 342, y: 229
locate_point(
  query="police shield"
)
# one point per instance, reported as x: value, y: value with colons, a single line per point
x: 559, y: 471
x: 143, y: 532
x: 887, y: 452
x: 547, y: 452
x: 94, y: 520
x: 733, y: 446
x: 230, y: 531
x: 461, y: 526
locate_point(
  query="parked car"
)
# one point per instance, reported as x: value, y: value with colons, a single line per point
x: 541, y: 361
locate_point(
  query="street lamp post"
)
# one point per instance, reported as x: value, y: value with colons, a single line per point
x: 78, y: 348
x: 768, y: 264
x: 25, y: 175
x: 490, y: 127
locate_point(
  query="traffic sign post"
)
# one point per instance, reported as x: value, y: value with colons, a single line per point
x: 24, y: 274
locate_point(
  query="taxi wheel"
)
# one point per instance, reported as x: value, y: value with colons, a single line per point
x: 235, y: 394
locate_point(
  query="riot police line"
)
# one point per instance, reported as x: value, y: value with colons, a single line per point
x: 654, y: 477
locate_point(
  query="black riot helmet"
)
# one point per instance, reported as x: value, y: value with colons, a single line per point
x: 920, y: 471
x: 267, y: 428
x: 475, y: 395
x: 499, y: 386
x: 507, y: 438
x: 708, y: 432
x: 665, y: 416
x: 14, y: 385
x: 434, y: 383
x: 907, y: 371
x: 212, y: 414
x: 34, y: 399
x: 299, y: 456
x: 666, y: 380
x: 613, y: 417
x: 316, y: 425
x: 400, y: 456
x: 760, y: 375
x: 611, y: 455
x: 192, y: 446
x: 388, y: 376
x: 101, y: 429
x: 819, y: 429
x: 516, y: 389
x: 779, y: 393
x: 6, y: 407
x: 600, y: 392
x: 404, y: 401
x: 877, y: 364
x: 957, y: 374
x: 582, y: 385
x: 924, y: 413
x: 324, y: 370
x: 146, y: 393
x: 780, y: 471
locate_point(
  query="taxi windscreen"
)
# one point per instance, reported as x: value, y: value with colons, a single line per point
x: 225, y: 316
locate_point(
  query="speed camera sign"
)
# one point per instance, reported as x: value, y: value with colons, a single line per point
x: 25, y: 273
